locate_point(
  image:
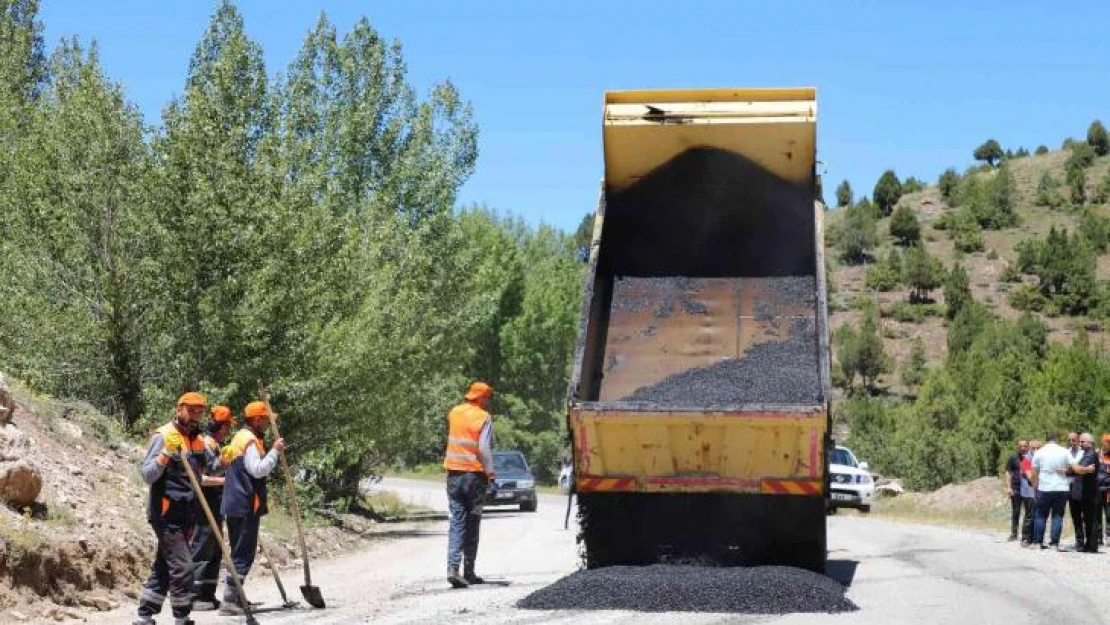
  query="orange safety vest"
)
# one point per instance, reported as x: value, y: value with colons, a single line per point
x: 464, y: 428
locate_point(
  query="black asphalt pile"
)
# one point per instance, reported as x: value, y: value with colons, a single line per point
x: 669, y: 588
x: 784, y: 372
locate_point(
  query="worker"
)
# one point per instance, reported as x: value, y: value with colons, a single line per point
x: 469, y: 465
x: 244, y: 499
x: 204, y: 546
x: 171, y: 510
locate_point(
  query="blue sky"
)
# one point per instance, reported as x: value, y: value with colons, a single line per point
x: 913, y: 86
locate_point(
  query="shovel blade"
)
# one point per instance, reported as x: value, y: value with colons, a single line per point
x: 312, y: 595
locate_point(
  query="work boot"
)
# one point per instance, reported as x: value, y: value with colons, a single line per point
x: 184, y: 621
x: 457, y: 581
x: 472, y: 579
x: 206, y: 605
x: 144, y: 620
x: 1012, y: 538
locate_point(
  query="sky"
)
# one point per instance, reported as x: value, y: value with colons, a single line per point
x: 912, y: 86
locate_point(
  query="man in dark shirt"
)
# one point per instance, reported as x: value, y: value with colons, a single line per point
x: 1086, y: 479
x: 1013, y: 486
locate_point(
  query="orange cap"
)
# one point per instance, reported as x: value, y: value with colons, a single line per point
x: 192, y: 399
x: 479, y: 389
x: 256, y: 409
x: 222, y: 414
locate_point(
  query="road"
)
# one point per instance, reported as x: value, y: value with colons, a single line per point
x: 894, y: 572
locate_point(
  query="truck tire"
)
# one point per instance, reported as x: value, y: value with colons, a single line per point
x: 865, y: 509
x: 529, y: 506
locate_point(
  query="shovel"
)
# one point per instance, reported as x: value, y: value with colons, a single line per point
x: 310, y: 593
x: 285, y: 602
x: 219, y: 538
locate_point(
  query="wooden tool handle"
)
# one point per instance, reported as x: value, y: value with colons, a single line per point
x: 289, y: 490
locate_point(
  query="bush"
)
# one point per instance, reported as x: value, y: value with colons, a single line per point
x: 912, y: 185
x: 990, y: 152
x: 888, y: 190
x: 1027, y: 297
x: 1082, y: 156
x: 907, y: 312
x: 904, y: 225
x: 921, y: 272
x: 966, y: 233
x: 949, y: 186
x: 1047, y: 194
x: 1077, y: 185
x: 858, y: 233
x: 886, y: 275
x: 957, y: 290
x: 1065, y: 267
x: 1098, y: 139
x: 992, y: 254
x: 1041, y: 150
x: 860, y: 352
x: 1010, y: 274
x: 913, y: 370
x: 1097, y: 230
x: 1102, y: 193
x: 1021, y: 153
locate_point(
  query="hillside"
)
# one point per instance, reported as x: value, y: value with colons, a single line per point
x: 984, y: 268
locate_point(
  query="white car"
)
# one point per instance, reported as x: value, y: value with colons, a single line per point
x: 850, y: 481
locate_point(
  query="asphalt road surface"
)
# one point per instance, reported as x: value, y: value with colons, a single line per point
x: 894, y: 572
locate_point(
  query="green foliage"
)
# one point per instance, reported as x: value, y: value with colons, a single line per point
x: 858, y: 233
x: 1098, y: 139
x: 583, y: 238
x: 989, y: 152
x: 1077, y: 185
x: 914, y: 369
x: 1021, y: 153
x: 1010, y: 274
x: 1082, y: 156
x: 1041, y: 150
x: 966, y: 233
x: 888, y: 190
x: 907, y: 313
x: 1096, y: 228
x: 912, y: 185
x: 966, y: 325
x: 949, y: 185
x: 904, y: 225
x: 957, y: 291
x: 301, y: 231
x: 860, y: 352
x: 992, y: 201
x: 843, y: 194
x: 921, y: 272
x: 885, y: 275
x: 1065, y: 268
x: 1047, y: 192
x: 1102, y: 192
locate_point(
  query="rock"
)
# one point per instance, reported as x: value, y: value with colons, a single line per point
x: 61, y: 614
x: 102, y: 604
x: 70, y: 429
x: 19, y: 616
x: 103, y: 462
x: 7, y: 404
x: 20, y: 478
x: 76, y: 470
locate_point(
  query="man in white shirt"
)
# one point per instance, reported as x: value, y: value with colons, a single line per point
x: 1050, y: 478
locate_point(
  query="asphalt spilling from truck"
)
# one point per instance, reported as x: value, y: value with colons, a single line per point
x: 684, y: 588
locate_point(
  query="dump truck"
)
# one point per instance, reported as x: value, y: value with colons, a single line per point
x: 698, y: 409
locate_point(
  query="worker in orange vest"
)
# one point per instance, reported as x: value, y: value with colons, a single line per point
x: 204, y: 545
x: 244, y: 501
x: 469, y: 464
x: 171, y: 510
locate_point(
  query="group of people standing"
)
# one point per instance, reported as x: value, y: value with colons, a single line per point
x: 233, y: 482
x: 1044, y: 479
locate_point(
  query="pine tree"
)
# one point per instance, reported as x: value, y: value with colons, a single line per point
x: 843, y: 194
x: 990, y: 152
x: 921, y: 272
x: 888, y: 190
x: 904, y: 225
x: 957, y: 291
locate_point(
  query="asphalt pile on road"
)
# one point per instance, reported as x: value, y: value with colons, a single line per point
x: 671, y: 588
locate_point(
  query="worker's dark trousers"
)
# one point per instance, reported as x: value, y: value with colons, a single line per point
x: 1090, y: 512
x: 172, y: 571
x: 466, y: 492
x: 206, y: 560
x: 1027, y: 522
x: 243, y: 532
x: 1016, y: 506
x: 1075, y: 509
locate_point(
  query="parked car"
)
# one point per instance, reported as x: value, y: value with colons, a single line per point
x: 513, y: 482
x: 850, y: 482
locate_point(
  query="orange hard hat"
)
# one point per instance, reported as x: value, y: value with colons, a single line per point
x: 222, y: 414
x: 256, y: 409
x: 192, y: 399
x: 479, y: 389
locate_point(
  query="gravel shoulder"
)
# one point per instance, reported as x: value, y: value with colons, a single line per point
x: 895, y: 573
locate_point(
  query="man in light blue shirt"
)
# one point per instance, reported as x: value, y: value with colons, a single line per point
x: 1050, y: 478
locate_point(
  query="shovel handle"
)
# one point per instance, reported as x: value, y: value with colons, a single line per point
x: 228, y: 563
x: 273, y: 570
x: 265, y: 393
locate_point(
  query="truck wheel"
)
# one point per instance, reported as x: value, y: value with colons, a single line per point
x: 865, y: 509
x: 528, y: 506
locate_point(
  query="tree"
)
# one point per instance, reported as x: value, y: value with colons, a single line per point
x: 843, y: 194
x: 912, y: 185
x: 1102, y: 193
x: 1065, y: 267
x: 1082, y: 156
x: 860, y: 352
x: 966, y: 233
x: 888, y: 190
x: 1098, y: 139
x: 1077, y: 185
x: 1047, y: 194
x: 858, y: 233
x: 957, y: 291
x: 904, y: 225
x: 990, y: 152
x: 949, y: 185
x: 886, y: 275
x: 913, y: 370
x: 921, y: 272
x: 583, y: 238
x: 1003, y: 199
x: 1021, y: 153
x: 1041, y: 150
